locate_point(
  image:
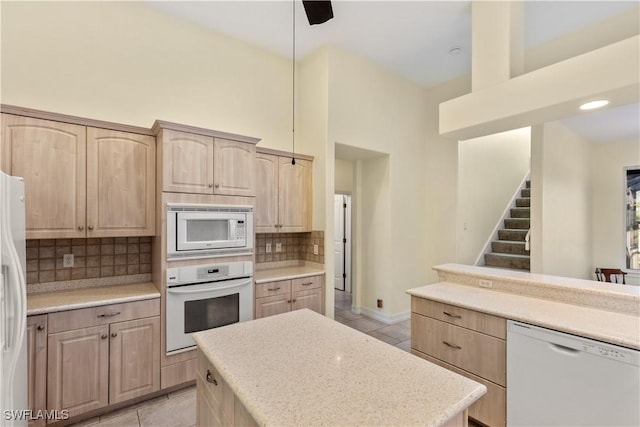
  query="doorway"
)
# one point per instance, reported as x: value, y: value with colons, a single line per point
x: 342, y: 242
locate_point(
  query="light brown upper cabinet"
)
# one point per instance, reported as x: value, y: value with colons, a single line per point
x: 203, y: 164
x: 283, y: 197
x: 81, y: 181
x: 51, y: 157
x: 120, y: 183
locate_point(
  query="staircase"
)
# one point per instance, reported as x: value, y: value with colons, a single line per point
x: 509, y: 250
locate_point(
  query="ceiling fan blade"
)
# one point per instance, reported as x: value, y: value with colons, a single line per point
x: 318, y: 12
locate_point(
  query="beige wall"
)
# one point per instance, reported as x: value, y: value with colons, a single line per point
x: 344, y: 176
x: 490, y: 171
x: 561, y: 237
x: 372, y: 109
x: 607, y: 203
x: 128, y: 63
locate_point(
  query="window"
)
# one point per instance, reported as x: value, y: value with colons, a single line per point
x: 632, y: 224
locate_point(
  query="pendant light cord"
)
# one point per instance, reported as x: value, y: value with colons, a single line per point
x: 293, y: 113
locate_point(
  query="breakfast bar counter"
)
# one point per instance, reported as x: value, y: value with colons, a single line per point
x: 301, y: 368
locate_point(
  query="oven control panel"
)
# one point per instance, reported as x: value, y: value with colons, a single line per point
x: 208, y: 273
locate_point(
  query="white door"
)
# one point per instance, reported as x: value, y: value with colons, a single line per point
x: 338, y: 241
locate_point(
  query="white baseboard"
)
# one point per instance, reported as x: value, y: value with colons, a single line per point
x: 382, y: 317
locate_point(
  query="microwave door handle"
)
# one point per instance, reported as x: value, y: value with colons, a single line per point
x: 199, y: 291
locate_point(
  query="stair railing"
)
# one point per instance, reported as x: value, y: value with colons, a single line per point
x: 494, y: 234
x: 527, y: 246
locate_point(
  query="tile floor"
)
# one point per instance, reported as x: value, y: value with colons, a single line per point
x: 398, y: 334
x: 178, y: 409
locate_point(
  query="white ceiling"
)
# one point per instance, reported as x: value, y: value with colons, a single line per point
x: 410, y: 38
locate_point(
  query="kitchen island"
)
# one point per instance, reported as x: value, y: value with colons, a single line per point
x: 301, y: 368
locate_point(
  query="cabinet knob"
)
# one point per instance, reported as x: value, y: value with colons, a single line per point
x: 210, y: 185
x: 294, y: 300
x: 104, y: 336
x: 114, y: 334
x: 40, y: 328
x: 81, y: 227
x: 210, y: 378
x: 217, y: 185
x: 90, y: 227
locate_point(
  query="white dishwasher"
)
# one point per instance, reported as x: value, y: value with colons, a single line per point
x: 557, y: 379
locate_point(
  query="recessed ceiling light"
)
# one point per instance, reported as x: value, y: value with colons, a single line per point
x: 594, y: 104
x: 455, y: 51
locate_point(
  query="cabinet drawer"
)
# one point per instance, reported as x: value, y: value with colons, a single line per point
x: 102, y: 315
x: 490, y: 409
x: 477, y: 353
x: 219, y: 394
x: 306, y: 283
x: 470, y: 319
x: 282, y: 287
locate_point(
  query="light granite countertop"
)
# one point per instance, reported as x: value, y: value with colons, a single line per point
x: 601, y: 311
x: 301, y: 368
x: 286, y: 271
x: 70, y: 299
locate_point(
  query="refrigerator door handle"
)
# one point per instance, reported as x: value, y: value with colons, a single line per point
x: 15, y: 298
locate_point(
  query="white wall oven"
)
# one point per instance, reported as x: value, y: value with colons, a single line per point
x: 205, y: 297
x: 199, y: 231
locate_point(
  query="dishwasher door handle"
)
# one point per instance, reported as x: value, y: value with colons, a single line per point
x: 563, y: 349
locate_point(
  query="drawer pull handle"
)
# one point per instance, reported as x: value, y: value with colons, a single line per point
x: 210, y: 378
x: 457, y: 347
x: 455, y: 316
x: 109, y: 314
x: 274, y: 289
x: 294, y: 300
x: 114, y: 334
x: 40, y: 328
x: 104, y: 336
x: 307, y: 284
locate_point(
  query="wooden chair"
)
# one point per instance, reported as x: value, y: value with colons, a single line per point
x: 611, y: 275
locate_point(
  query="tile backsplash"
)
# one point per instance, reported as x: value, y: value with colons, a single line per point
x: 295, y: 246
x: 103, y: 257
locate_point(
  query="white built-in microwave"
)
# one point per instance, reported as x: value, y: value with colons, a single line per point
x: 198, y: 231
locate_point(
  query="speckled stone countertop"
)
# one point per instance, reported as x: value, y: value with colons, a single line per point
x: 601, y: 311
x: 286, y: 271
x: 301, y: 368
x: 70, y: 299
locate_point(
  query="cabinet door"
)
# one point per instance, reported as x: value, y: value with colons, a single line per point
x: 265, y: 216
x: 311, y: 299
x: 120, y: 184
x: 37, y: 365
x: 78, y: 370
x: 234, y: 165
x: 134, y: 358
x: 51, y: 157
x: 294, y: 197
x: 187, y: 162
x: 270, y: 306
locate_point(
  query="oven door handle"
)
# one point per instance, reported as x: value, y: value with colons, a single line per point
x: 199, y: 291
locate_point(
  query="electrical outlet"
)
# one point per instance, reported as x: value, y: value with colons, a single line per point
x: 67, y: 260
x: 379, y: 303
x: 268, y: 248
x: 486, y: 284
x: 315, y: 249
x: 278, y: 247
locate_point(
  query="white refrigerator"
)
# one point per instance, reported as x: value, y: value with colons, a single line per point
x: 13, y: 304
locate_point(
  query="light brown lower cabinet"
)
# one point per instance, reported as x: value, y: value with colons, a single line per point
x: 110, y: 362
x: 216, y: 404
x: 287, y: 295
x: 467, y: 342
x: 37, y: 366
